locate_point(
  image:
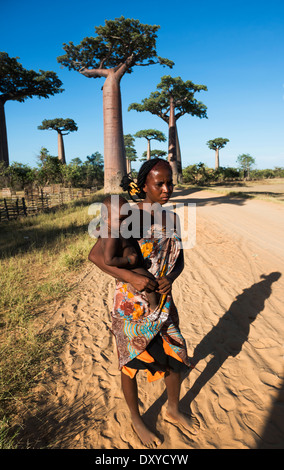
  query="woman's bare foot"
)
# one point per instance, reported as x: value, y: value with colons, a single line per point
x: 147, y: 438
x: 189, y: 422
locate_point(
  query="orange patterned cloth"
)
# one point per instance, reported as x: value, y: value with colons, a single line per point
x: 134, y: 325
x: 146, y: 357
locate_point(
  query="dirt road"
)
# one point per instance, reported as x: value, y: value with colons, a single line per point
x: 230, y: 302
x: 257, y: 223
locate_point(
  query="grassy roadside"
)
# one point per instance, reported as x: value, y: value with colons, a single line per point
x: 40, y: 259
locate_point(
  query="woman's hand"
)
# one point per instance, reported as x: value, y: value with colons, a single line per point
x: 141, y: 283
x: 165, y: 285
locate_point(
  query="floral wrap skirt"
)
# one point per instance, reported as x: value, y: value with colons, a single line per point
x: 148, y: 339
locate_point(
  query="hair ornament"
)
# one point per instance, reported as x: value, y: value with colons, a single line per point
x: 133, y: 189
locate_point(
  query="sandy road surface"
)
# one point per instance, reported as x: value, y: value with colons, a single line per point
x: 257, y: 223
x: 230, y: 302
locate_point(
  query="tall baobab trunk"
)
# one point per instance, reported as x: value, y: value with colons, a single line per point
x: 114, y: 151
x: 128, y: 165
x: 61, y: 151
x: 172, y: 141
x: 4, y: 155
x: 179, y: 163
x: 216, y: 159
x: 149, y: 150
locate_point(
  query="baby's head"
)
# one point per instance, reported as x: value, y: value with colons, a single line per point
x: 112, y: 212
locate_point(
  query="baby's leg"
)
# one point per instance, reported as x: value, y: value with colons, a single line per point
x: 153, y: 297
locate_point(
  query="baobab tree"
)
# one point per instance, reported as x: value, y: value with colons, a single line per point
x: 173, y: 99
x: 130, y: 152
x: 154, y: 154
x: 150, y: 134
x: 18, y: 84
x: 217, y: 144
x: 63, y: 127
x: 119, y: 45
x: 246, y: 162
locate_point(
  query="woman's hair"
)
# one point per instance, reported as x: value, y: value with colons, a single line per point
x: 136, y: 189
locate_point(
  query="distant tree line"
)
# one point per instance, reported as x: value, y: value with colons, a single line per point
x: 90, y: 173
x: 201, y: 174
x: 51, y: 170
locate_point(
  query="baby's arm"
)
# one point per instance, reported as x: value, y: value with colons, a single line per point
x: 139, y: 282
x: 111, y: 246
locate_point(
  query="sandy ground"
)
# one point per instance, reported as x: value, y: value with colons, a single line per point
x: 230, y: 302
x: 267, y: 188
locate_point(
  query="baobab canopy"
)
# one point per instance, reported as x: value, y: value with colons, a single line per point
x: 18, y: 84
x: 217, y: 144
x: 63, y: 127
x: 150, y: 134
x: 119, y: 45
x: 173, y: 98
x: 183, y: 95
x: 122, y: 41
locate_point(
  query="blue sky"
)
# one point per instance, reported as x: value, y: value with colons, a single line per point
x: 234, y: 48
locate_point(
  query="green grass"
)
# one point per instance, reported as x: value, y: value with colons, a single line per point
x: 40, y: 258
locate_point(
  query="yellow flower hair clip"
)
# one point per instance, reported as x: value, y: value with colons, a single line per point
x: 134, y: 188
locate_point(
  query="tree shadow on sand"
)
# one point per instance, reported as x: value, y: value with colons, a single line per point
x: 225, y: 339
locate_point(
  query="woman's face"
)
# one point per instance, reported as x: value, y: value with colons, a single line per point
x: 159, y: 185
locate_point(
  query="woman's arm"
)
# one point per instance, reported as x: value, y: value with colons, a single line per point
x: 138, y: 281
x: 111, y: 246
x: 165, y: 283
x: 178, y: 268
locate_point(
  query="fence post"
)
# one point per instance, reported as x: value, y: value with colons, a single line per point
x: 6, y: 208
x: 17, y: 206
x: 24, y: 206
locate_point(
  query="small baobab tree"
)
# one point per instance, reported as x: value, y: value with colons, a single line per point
x: 174, y: 98
x: 154, y: 154
x: 18, y: 84
x: 246, y: 162
x: 63, y: 127
x: 130, y: 152
x: 150, y: 134
x: 217, y: 144
x: 118, y: 46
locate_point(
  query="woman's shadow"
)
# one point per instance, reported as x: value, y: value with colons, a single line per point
x: 231, y: 332
x: 225, y: 339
